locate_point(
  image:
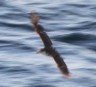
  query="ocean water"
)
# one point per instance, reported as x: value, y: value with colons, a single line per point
x: 71, y: 25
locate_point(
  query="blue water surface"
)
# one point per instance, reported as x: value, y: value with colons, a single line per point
x: 71, y: 25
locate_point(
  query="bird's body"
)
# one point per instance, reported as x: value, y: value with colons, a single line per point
x: 48, y: 45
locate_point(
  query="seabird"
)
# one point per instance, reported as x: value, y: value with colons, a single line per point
x: 48, y: 48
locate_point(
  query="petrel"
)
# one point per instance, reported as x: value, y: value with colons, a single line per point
x: 48, y: 48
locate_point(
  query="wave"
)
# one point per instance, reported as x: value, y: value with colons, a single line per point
x: 81, y: 39
x: 14, y: 45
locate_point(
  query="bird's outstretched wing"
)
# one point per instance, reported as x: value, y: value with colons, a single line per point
x: 40, y: 30
x: 59, y: 61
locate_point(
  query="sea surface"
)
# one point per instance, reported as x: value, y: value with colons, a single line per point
x: 70, y: 24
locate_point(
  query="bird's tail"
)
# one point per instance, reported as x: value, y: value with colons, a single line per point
x: 41, y: 50
x: 34, y: 18
x: 45, y: 51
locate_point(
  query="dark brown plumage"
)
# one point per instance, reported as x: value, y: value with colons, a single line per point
x: 48, y: 45
x: 40, y: 30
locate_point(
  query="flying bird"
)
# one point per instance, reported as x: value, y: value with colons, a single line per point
x: 48, y: 48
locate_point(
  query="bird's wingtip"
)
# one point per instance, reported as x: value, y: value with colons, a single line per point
x: 34, y: 17
x: 69, y: 75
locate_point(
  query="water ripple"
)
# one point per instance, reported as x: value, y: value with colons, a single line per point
x: 81, y: 39
x: 70, y: 23
x: 7, y: 44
